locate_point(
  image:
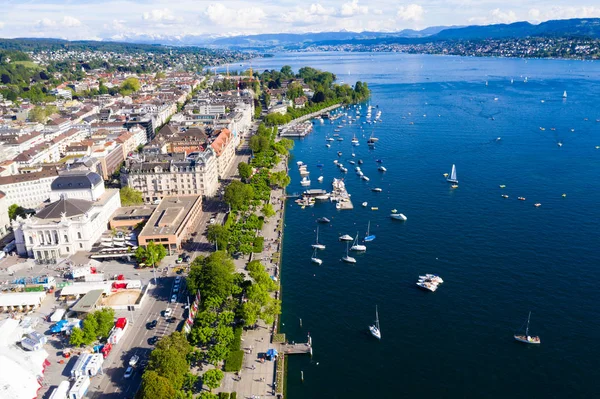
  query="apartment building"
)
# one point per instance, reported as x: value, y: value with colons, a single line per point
x: 161, y: 175
x: 224, y: 146
x: 28, y: 190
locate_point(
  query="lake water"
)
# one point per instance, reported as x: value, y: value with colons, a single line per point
x: 500, y: 257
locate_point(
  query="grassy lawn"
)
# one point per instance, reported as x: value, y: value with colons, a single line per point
x: 27, y: 64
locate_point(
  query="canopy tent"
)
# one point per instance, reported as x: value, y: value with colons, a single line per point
x: 271, y: 354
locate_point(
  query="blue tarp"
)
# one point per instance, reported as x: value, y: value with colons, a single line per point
x: 272, y: 353
x: 58, y: 327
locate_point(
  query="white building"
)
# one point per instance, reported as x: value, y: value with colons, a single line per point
x: 69, y: 224
x: 224, y: 146
x: 28, y: 190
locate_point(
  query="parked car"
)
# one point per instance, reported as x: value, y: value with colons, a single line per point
x: 128, y: 372
x: 152, y: 325
x: 173, y: 298
x: 177, y: 279
x: 212, y: 221
x: 175, y: 289
x: 179, y: 260
x: 134, y: 360
x: 186, y: 258
x: 152, y: 340
x: 171, y: 320
x: 168, y: 312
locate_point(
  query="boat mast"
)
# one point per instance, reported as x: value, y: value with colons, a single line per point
x: 317, y: 234
x: 368, y: 228
x: 527, y: 329
x: 376, y: 317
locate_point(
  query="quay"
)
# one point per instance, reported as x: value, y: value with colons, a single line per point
x: 299, y: 130
x: 309, y: 116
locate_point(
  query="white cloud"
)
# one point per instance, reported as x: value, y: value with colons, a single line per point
x: 353, y: 8
x: 164, y: 16
x: 314, y: 14
x: 495, y: 16
x: 560, y: 12
x: 377, y: 11
x: 1, y: 25
x: 411, y: 12
x: 66, y: 22
x: 70, y: 22
x: 242, y: 18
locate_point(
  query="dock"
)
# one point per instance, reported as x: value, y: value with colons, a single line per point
x: 296, y: 348
x: 340, y: 195
x: 298, y: 130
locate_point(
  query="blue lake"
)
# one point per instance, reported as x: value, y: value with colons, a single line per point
x: 500, y: 257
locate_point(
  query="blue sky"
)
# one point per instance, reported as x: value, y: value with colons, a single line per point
x: 112, y: 19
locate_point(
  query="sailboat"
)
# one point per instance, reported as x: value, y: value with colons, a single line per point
x: 314, y: 258
x: 527, y: 338
x: 452, y: 178
x: 369, y: 237
x: 347, y: 258
x: 316, y: 245
x: 565, y: 94
x: 356, y: 246
x: 375, y: 331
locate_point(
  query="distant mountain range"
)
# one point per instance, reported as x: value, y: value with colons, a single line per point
x: 579, y: 27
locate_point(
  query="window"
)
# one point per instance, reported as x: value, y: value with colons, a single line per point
x: 79, y: 235
x: 68, y: 250
x: 80, y: 245
x: 66, y: 238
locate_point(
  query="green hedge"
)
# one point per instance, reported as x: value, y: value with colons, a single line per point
x: 234, y: 361
x: 224, y: 395
x: 259, y: 244
x: 233, y: 395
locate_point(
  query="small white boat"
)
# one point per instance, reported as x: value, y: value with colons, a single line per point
x: 382, y: 169
x: 356, y: 246
x: 348, y: 258
x: 328, y: 145
x: 527, y: 339
x: 330, y: 139
x: 299, y: 163
x: 537, y: 204
x: 305, y: 181
x: 364, y: 204
x: 320, y: 179
x: 304, y: 172
x: 351, y: 162
x: 346, y: 237
x: 377, y: 189
x: 398, y: 216
x: 565, y: 94
x: 365, y: 178
x: 431, y: 277
x: 343, y: 170
x: 375, y: 331
x: 314, y: 258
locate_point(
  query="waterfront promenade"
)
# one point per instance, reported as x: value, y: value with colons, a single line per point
x: 308, y: 117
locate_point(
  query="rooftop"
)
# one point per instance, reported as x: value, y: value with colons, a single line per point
x: 88, y: 302
x: 169, y: 215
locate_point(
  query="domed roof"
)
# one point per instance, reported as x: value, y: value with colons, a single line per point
x: 68, y: 207
x: 76, y: 180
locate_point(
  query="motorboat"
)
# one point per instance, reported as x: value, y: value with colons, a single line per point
x: 328, y: 145
x: 521, y: 198
x: 320, y: 179
x: 374, y: 208
x: 398, y: 216
x: 339, y: 153
x: 504, y: 196
x: 365, y: 178
x: 382, y: 169
x: 360, y: 161
x: 330, y: 139
x: 357, y: 168
x: 351, y: 162
x: 323, y: 220
x: 364, y: 204
x: 537, y: 204
x: 346, y: 237
x: 305, y: 181
x: 376, y: 189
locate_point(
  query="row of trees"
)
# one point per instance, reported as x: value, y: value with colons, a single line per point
x: 95, y: 326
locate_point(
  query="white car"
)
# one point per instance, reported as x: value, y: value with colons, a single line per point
x: 177, y: 279
x: 134, y: 360
x: 212, y: 221
x: 128, y: 372
x: 174, y: 298
x: 175, y: 289
x: 168, y: 312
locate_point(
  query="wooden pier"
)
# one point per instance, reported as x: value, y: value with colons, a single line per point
x: 296, y: 348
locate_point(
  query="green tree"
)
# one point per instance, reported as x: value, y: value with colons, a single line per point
x: 267, y: 210
x: 212, y: 378
x: 90, y: 330
x: 244, y: 170
x: 130, y: 196
x: 214, y: 278
x: 287, y: 71
x: 170, y: 364
x: 249, y: 313
x: 15, y: 210
x: 129, y: 86
x: 208, y: 395
x: 155, y: 386
x: 38, y: 114
x: 151, y: 254
x: 76, y: 338
x: 219, y: 235
x: 238, y: 194
x: 259, y: 143
x: 105, y: 318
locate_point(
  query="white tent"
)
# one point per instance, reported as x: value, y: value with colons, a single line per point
x: 21, y: 370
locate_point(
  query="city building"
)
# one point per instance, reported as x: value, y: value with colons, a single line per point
x: 159, y: 176
x: 69, y: 224
x: 224, y: 146
x: 172, y: 222
x: 28, y: 190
